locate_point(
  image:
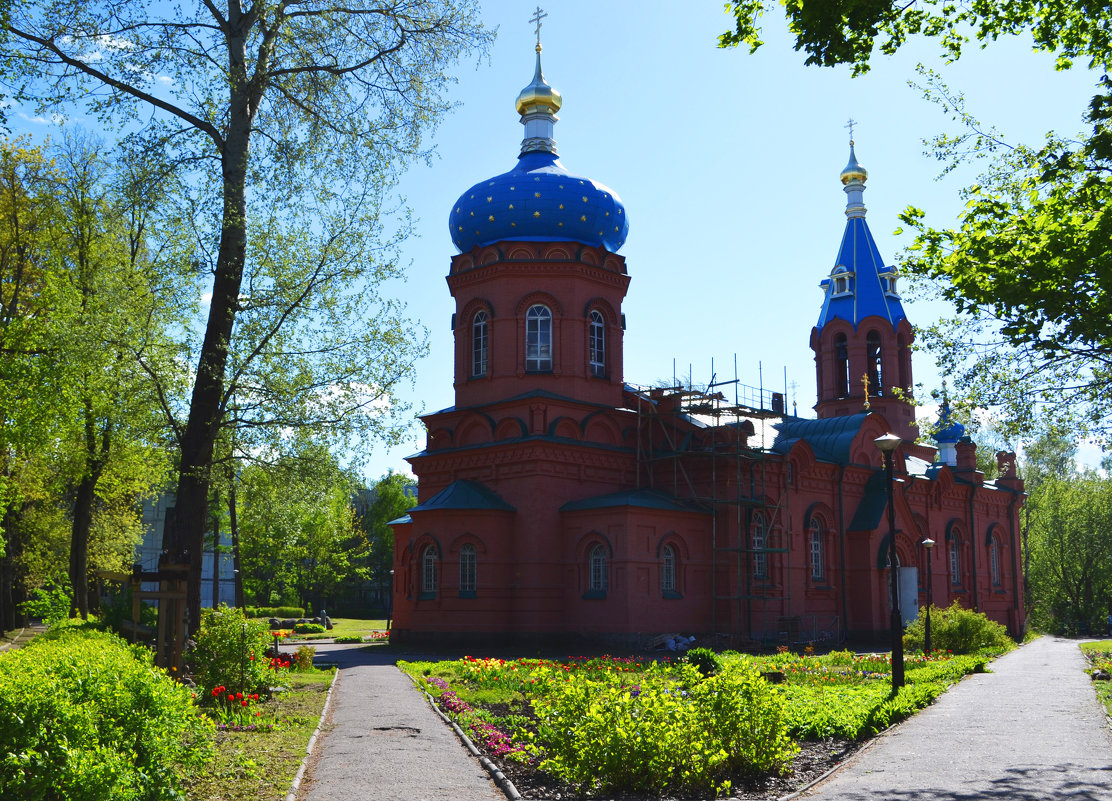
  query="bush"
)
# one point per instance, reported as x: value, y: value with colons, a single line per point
x: 50, y: 604
x: 958, y: 630
x: 230, y: 652
x: 309, y: 628
x: 86, y: 717
x: 345, y: 638
x: 704, y: 660
x: 284, y: 612
x: 662, y: 735
x: 303, y: 658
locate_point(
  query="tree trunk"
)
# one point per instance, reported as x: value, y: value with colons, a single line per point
x: 237, y: 567
x: 79, y: 544
x: 216, y: 555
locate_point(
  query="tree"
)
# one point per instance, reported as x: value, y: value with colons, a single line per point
x: 279, y: 109
x: 1029, y: 266
x: 392, y: 496
x: 1070, y: 539
x: 298, y: 535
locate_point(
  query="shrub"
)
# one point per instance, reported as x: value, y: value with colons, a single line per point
x: 303, y: 658
x: 50, y: 604
x: 344, y: 638
x: 231, y: 652
x: 958, y: 630
x: 704, y: 660
x: 86, y: 717
x: 284, y: 612
x: 309, y: 628
x: 662, y: 735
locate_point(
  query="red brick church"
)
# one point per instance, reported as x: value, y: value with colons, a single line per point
x: 556, y: 500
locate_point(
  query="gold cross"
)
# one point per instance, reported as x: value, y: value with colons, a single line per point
x: 865, y: 383
x: 849, y: 125
x: 538, y: 15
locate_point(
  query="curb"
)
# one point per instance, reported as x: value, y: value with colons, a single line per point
x: 499, y: 777
x: 5, y: 643
x: 292, y: 794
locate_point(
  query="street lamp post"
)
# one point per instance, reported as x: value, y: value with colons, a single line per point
x: 928, y: 543
x: 887, y: 445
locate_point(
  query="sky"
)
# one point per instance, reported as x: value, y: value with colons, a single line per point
x: 728, y: 165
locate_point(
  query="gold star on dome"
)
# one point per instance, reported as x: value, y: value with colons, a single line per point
x: 511, y: 189
x: 489, y: 199
x: 583, y: 218
x: 511, y: 207
x: 472, y: 197
x: 536, y: 179
x: 561, y: 205
x: 536, y: 214
x: 584, y: 198
x: 561, y: 186
x: 490, y: 218
x: 472, y: 214
x: 536, y: 194
x: 607, y: 214
x: 457, y: 209
x: 461, y: 229
x: 513, y: 225
x: 559, y: 225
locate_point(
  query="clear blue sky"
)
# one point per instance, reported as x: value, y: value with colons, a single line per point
x: 728, y: 166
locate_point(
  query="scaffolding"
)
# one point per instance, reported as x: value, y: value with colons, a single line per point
x: 715, y: 454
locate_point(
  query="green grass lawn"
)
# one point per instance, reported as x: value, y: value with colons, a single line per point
x: 345, y: 627
x: 252, y: 765
x: 1099, y: 655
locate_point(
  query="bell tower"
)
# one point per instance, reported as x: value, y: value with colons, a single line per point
x: 862, y: 341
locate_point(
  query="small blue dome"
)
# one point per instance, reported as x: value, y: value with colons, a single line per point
x: 947, y: 430
x: 539, y: 201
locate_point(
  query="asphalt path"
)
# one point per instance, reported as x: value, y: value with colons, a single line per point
x: 384, y: 742
x: 1030, y: 729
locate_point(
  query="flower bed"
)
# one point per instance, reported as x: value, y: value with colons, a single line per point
x: 613, y: 725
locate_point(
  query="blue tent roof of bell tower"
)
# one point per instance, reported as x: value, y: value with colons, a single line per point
x: 859, y: 258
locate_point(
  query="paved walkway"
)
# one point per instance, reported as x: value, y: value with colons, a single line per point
x: 1030, y: 729
x: 19, y: 637
x: 384, y: 741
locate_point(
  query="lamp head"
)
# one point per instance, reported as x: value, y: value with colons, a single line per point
x: 928, y: 543
x: 887, y: 443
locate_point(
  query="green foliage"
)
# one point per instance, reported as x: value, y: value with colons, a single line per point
x: 848, y: 31
x: 231, y: 652
x: 309, y: 628
x: 1069, y: 539
x: 958, y: 630
x: 346, y: 638
x: 85, y: 717
x: 51, y: 604
x: 673, y: 731
x: 282, y: 612
x: 303, y: 658
x: 704, y: 660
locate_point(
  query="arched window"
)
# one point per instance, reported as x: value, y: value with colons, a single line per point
x: 599, y: 579
x: 876, y: 373
x: 841, y: 366
x: 994, y: 561
x: 818, y: 551
x: 904, y: 358
x: 758, y: 543
x: 479, y: 344
x: 668, y: 569
x: 428, y: 571
x: 955, y: 562
x: 597, y: 340
x: 538, y: 339
x: 467, y: 569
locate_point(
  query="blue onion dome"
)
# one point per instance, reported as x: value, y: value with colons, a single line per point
x: 947, y: 430
x: 538, y: 200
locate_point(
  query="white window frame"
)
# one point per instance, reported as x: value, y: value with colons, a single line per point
x: 955, y: 562
x: 428, y: 570
x: 480, y: 344
x: 668, y: 569
x: 597, y: 343
x: 759, y: 539
x: 599, y: 579
x: 538, y: 339
x: 468, y: 568
x: 817, y: 551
